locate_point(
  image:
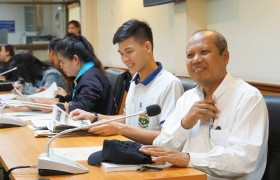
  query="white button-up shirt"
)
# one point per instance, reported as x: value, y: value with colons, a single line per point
x: 235, y: 147
x: 162, y: 88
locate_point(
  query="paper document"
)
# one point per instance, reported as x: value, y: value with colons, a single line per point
x: 112, y: 167
x: 32, y: 113
x: 76, y: 154
x: 48, y: 93
x: 7, y: 96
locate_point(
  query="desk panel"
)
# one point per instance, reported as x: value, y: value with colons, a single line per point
x: 19, y: 147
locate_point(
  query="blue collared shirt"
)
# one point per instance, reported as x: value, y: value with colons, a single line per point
x: 152, y: 76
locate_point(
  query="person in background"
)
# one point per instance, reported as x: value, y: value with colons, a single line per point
x: 6, y: 54
x: 37, y: 75
x: 74, y: 27
x: 151, y: 84
x: 54, y: 59
x: 219, y: 127
x: 92, y: 90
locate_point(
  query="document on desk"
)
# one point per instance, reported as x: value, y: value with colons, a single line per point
x: 33, y: 116
x: 76, y: 154
x: 7, y: 96
x: 48, y: 93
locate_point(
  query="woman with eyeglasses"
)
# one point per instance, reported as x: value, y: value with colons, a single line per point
x: 91, y: 90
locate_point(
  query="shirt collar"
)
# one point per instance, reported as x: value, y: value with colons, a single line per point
x: 227, y: 81
x: 152, y: 76
x: 85, y: 67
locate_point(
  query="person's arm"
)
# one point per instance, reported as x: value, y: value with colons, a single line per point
x: 139, y: 135
x: 28, y: 88
x: 53, y: 76
x: 116, y: 128
x: 79, y: 114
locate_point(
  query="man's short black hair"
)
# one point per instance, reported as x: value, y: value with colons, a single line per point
x: 139, y: 30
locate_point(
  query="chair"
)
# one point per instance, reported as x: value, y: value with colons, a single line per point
x: 120, y: 81
x: 187, y: 83
x: 273, y: 157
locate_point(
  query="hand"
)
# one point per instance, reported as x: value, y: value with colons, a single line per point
x: 108, y: 129
x: 79, y: 114
x: 42, y: 88
x: 2, y: 78
x: 45, y: 100
x: 17, y: 89
x: 60, y: 91
x: 203, y: 110
x: 163, y: 155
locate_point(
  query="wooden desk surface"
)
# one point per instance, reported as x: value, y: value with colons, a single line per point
x: 19, y: 147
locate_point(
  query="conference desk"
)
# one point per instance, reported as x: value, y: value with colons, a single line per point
x: 18, y: 147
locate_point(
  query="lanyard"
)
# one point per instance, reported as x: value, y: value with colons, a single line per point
x: 82, y: 71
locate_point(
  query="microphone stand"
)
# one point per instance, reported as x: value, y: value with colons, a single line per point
x: 31, y: 104
x: 10, y: 70
x: 51, y: 164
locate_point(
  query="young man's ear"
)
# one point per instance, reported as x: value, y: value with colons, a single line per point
x: 149, y: 47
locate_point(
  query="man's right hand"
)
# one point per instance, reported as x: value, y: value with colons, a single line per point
x: 79, y: 114
x: 201, y: 110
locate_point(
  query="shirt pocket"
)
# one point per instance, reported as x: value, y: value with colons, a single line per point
x: 218, y: 137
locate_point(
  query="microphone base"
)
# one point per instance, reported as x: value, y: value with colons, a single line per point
x: 58, y: 165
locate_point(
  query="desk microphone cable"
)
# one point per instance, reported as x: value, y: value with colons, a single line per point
x: 6, y: 175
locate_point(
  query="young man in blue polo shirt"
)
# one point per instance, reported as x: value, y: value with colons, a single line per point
x: 151, y: 84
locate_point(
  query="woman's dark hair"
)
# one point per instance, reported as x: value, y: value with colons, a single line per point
x: 10, y: 49
x: 73, y: 44
x: 28, y: 67
x: 76, y: 24
x: 53, y: 43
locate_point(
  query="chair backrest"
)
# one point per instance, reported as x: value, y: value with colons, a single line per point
x: 187, y: 83
x: 272, y: 171
x: 120, y: 81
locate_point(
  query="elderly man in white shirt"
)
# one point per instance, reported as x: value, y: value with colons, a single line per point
x: 221, y: 126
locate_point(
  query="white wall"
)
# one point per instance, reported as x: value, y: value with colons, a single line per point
x: 18, y: 16
x: 52, y: 19
x: 168, y: 23
x: 252, y: 29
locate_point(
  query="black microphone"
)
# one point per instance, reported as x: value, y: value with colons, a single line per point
x: 153, y: 110
x: 51, y: 164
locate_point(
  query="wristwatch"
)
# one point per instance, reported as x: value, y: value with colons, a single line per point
x: 95, y: 117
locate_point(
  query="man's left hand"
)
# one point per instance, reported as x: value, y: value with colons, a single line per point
x: 163, y: 155
x: 108, y: 129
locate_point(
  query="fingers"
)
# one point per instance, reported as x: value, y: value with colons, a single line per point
x: 153, y: 150
x: 206, y: 108
x: 100, y: 130
x: 77, y: 114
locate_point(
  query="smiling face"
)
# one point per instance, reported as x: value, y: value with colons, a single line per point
x: 135, y: 55
x: 205, y: 64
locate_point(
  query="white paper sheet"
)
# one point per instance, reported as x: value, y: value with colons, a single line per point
x: 48, y: 93
x: 7, y: 96
x: 32, y: 113
x: 76, y: 154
